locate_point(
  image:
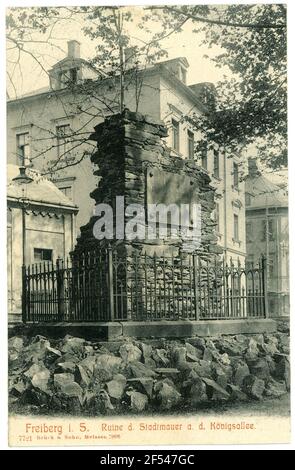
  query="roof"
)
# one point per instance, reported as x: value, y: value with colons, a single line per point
x: 40, y: 190
x: 39, y: 91
x: 279, y: 177
x: 176, y: 59
x: 265, y: 193
x: 72, y: 62
x: 160, y: 67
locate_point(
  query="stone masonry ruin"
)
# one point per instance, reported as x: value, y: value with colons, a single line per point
x: 131, y: 152
x: 134, y: 162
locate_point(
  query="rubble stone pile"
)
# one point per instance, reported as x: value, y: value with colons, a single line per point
x: 72, y: 375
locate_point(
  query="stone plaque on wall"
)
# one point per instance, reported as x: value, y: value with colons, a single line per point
x: 167, y: 188
x: 163, y: 187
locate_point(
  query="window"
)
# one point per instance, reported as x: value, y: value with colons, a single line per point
x: 73, y: 75
x: 236, y: 227
x: 236, y: 175
x: 204, y: 157
x: 190, y: 144
x: 63, y: 79
x: 23, y: 149
x: 216, y: 164
x: 249, y: 231
x: 183, y: 75
x: 42, y: 254
x: 67, y: 77
x: 67, y: 190
x: 175, y: 135
x: 63, y: 139
x: 217, y: 218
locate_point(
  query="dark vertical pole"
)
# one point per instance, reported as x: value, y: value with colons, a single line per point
x: 24, y: 234
x: 196, y: 290
x: 60, y: 290
x: 265, y: 277
x: 24, y: 295
x: 110, y: 284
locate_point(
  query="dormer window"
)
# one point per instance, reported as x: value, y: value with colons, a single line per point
x: 67, y: 77
x: 72, y: 69
x: 73, y: 75
x: 183, y: 75
x: 60, y: 79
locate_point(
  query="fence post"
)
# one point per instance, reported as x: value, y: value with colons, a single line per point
x: 60, y: 290
x: 110, y: 284
x: 264, y: 286
x: 24, y: 295
x: 196, y: 287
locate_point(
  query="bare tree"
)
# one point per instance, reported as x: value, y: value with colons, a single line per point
x: 120, y: 62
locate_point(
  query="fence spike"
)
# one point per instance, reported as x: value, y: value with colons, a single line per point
x: 158, y: 276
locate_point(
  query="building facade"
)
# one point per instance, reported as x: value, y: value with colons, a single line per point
x: 49, y: 221
x: 49, y: 130
x: 267, y: 233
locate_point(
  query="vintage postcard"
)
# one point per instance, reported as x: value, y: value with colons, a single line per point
x: 147, y: 225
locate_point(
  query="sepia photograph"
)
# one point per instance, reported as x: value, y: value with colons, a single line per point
x: 147, y: 224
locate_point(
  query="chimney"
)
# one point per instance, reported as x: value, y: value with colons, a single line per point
x: 74, y: 49
x: 253, y: 171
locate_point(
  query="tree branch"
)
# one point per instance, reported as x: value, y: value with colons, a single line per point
x: 222, y: 23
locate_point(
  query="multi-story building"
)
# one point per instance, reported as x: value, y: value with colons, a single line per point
x: 267, y: 233
x: 49, y: 130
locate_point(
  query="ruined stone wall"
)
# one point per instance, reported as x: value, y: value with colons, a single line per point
x: 133, y: 161
x: 129, y: 145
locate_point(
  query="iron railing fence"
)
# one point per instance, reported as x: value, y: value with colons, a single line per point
x: 103, y: 285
